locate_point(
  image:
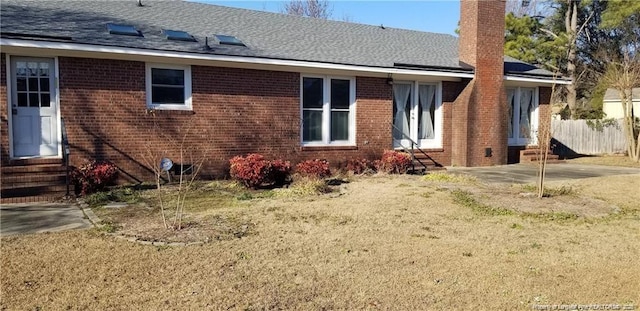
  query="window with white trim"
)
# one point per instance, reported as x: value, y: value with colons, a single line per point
x: 328, y: 110
x: 168, y: 87
x: 522, y: 104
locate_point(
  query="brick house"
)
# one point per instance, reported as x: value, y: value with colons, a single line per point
x: 126, y: 75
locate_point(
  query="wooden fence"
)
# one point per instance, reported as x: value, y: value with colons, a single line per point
x: 572, y: 137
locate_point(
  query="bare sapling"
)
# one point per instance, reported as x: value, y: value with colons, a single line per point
x: 187, y: 173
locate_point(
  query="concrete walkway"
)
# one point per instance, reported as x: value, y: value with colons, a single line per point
x: 28, y: 218
x: 526, y: 173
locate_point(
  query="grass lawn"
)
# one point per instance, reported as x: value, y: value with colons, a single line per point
x: 377, y: 242
x: 612, y: 160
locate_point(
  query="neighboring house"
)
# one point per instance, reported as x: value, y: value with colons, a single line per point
x: 612, y: 105
x: 246, y: 81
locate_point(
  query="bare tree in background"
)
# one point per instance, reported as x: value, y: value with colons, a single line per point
x: 310, y: 8
x: 624, y: 75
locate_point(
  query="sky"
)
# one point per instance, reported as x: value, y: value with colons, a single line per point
x: 425, y: 15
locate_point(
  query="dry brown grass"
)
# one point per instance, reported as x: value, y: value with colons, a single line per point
x: 610, y: 160
x: 381, y: 242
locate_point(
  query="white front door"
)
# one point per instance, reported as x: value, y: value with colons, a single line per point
x: 34, y: 115
x: 416, y: 115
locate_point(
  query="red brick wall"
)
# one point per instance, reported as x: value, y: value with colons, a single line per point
x: 460, y: 125
x: 482, y: 107
x: 4, y: 121
x: 235, y: 111
x: 544, y: 102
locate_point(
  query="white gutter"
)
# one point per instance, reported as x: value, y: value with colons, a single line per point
x: 221, y: 58
x: 534, y: 80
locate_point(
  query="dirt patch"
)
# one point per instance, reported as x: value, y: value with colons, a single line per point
x: 561, y: 201
x: 382, y: 242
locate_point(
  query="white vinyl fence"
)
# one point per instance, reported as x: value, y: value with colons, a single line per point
x: 576, y: 137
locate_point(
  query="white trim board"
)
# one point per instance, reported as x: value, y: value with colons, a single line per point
x: 75, y: 49
x: 537, y: 81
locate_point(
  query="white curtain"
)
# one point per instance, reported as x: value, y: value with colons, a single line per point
x: 510, y: 96
x: 426, y: 95
x: 401, y: 93
x: 525, y: 104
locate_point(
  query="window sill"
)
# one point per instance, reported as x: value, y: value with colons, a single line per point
x: 328, y: 147
x: 185, y: 107
x: 162, y: 111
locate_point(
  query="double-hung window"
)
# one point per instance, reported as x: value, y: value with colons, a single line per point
x: 168, y: 87
x: 328, y: 110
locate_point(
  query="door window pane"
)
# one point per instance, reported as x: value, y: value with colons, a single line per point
x: 340, y: 94
x: 22, y: 100
x: 339, y: 125
x: 401, y: 110
x: 44, y: 70
x: 33, y: 84
x: 312, y: 125
x: 21, y: 84
x: 21, y: 68
x: 526, y: 109
x: 45, y: 100
x: 511, y: 106
x: 312, y: 92
x: 32, y: 68
x: 34, y: 100
x: 44, y: 84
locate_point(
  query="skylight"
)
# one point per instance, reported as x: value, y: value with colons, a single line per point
x: 119, y: 29
x: 178, y: 35
x: 230, y: 40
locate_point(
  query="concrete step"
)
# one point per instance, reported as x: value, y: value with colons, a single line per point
x: 32, y: 189
x: 33, y: 180
x: 13, y: 180
x: 32, y: 199
x: 535, y: 157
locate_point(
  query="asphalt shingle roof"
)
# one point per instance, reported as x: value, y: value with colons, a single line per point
x: 268, y: 35
x: 614, y: 95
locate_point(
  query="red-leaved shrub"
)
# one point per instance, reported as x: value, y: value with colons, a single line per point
x: 94, y: 176
x: 359, y: 166
x: 314, y: 168
x: 393, y: 162
x: 280, y: 172
x: 253, y: 170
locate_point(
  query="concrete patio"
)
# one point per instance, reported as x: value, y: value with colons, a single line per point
x: 526, y: 173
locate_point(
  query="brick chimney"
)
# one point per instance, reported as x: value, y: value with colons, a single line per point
x: 480, y: 112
